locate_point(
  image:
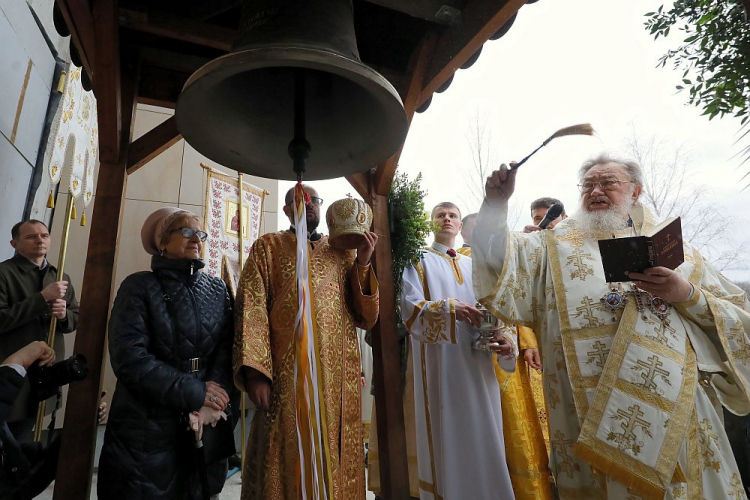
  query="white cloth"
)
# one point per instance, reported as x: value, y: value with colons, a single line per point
x: 552, y: 281
x: 461, y: 452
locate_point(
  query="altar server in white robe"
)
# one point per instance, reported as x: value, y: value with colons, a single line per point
x: 635, y: 372
x: 460, y: 447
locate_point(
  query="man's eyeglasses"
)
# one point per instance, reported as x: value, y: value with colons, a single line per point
x: 314, y: 200
x: 606, y: 185
x: 189, y: 232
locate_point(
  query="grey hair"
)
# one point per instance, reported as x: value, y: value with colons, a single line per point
x: 631, y: 166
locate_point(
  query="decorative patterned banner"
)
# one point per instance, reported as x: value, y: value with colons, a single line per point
x: 75, y: 136
x: 221, y: 222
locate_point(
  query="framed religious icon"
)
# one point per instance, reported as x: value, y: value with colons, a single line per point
x: 232, y: 219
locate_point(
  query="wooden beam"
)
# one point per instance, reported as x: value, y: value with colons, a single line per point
x: 436, y: 11
x: 179, y: 28
x: 172, y: 61
x: 386, y: 355
x: 361, y: 183
x: 410, y: 94
x: 152, y: 144
x: 80, y: 22
x: 107, y: 82
x: 480, y: 20
x: 78, y: 444
x: 160, y: 86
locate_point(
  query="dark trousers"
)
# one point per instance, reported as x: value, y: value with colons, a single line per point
x: 738, y: 432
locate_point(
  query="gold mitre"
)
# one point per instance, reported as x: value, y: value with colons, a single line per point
x: 348, y: 219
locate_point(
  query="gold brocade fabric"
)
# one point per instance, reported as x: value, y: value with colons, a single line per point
x: 525, y: 426
x: 266, y: 308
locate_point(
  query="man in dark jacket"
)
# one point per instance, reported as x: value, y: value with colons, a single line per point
x: 30, y: 295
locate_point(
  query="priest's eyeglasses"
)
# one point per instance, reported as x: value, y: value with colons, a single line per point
x: 316, y: 201
x: 606, y: 185
x: 189, y: 232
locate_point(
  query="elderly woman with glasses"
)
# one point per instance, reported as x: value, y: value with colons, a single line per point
x: 170, y: 344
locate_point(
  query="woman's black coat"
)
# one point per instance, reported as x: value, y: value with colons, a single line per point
x: 160, y: 320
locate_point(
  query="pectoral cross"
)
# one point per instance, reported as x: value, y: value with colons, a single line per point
x: 599, y: 355
x: 587, y: 311
x: 650, y: 370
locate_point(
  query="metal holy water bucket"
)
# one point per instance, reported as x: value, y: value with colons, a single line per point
x: 489, y: 327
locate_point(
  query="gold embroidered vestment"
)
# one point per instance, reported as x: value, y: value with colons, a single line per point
x: 265, y: 312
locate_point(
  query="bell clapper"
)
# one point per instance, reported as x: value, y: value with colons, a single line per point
x: 299, y: 148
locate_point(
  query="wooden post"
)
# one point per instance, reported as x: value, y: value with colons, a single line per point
x: 79, y: 433
x: 386, y: 355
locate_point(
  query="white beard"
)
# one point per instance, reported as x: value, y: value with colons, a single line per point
x: 615, y: 218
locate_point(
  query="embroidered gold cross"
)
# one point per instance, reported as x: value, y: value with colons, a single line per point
x: 535, y: 261
x: 599, y: 355
x: 574, y: 236
x: 706, y: 438
x: 522, y: 277
x: 631, y: 420
x: 582, y: 270
x: 737, y: 335
x: 661, y: 329
x: 737, y: 492
x: 650, y: 370
x: 560, y: 447
x: 587, y: 311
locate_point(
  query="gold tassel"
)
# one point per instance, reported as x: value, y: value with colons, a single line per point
x: 73, y: 214
x: 51, y: 199
x: 61, y: 83
x: 83, y: 218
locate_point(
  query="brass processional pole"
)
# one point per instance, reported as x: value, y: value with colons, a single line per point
x: 240, y: 232
x: 53, y: 323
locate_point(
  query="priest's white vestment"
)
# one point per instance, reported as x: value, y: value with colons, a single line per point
x: 460, y: 447
x: 634, y: 392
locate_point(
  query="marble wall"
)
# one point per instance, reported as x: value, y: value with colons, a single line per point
x: 27, y: 66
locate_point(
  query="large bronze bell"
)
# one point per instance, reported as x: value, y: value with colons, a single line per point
x: 239, y: 110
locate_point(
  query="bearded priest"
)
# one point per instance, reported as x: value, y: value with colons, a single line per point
x: 459, y: 427
x: 639, y: 370
x: 269, y: 348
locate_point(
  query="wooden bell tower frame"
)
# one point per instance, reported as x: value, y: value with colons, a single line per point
x: 119, y: 85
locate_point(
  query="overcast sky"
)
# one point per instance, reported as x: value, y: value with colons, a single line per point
x: 563, y: 63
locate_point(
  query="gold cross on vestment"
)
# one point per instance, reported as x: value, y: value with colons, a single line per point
x: 574, y: 236
x: 560, y: 447
x: 630, y: 421
x: 581, y: 268
x: 706, y: 438
x: 661, y: 329
x: 599, y: 355
x: 587, y: 309
x: 649, y: 371
x: 737, y: 335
